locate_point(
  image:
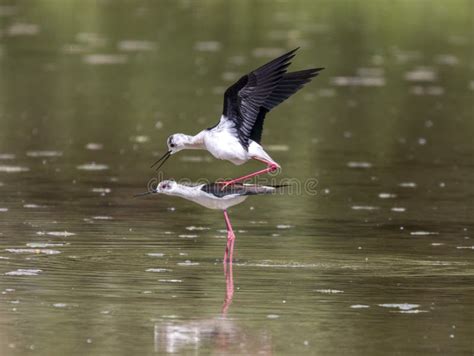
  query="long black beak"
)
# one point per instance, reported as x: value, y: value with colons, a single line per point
x: 163, y: 159
x: 142, y: 194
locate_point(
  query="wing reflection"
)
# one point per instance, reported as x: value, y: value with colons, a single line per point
x: 217, y: 335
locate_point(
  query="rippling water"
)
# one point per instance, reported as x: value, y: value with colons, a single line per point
x: 376, y: 258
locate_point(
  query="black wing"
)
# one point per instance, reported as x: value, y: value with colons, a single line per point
x: 244, y: 99
x: 289, y: 84
x: 239, y: 189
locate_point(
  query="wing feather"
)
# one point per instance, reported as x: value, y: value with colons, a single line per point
x: 247, y: 101
x: 287, y: 86
x: 243, y: 100
x: 239, y: 189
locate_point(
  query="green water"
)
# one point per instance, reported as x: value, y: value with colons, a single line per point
x: 377, y: 258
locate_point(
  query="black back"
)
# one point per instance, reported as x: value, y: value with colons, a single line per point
x: 238, y: 189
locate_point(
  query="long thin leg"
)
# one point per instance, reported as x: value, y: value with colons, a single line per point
x: 229, y: 289
x: 229, y: 249
x: 271, y: 166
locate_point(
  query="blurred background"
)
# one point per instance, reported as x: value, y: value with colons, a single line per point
x: 379, y: 260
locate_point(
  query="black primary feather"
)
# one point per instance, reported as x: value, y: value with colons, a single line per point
x: 244, y: 99
x: 287, y: 86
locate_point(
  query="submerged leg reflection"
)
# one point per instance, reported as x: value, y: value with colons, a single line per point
x: 229, y: 249
x: 229, y: 288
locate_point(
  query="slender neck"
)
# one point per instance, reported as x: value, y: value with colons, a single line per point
x: 185, y: 192
x: 195, y: 142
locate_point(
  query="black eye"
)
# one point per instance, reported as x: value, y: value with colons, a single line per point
x: 172, y: 145
x: 165, y: 186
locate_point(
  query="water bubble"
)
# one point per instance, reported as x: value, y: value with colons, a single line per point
x: 94, y: 146
x: 196, y: 228
x: 278, y: 148
x: 359, y: 306
x: 283, y: 226
x: 421, y: 74
x: 44, y: 153
x: 188, y: 263
x: 155, y: 254
x: 34, y: 251
x: 136, y: 45
x: 101, y: 190
x: 329, y: 291
x: 273, y: 316
x: 22, y: 29
x: 359, y: 164
x: 387, y: 195
x: 13, y: 169
x: 6, y: 156
x: 402, y: 306
x: 93, y: 167
x: 447, y: 59
x: 24, y: 272
x: 407, y: 185
x: 364, y: 207
x: 207, y: 46
x: 398, y: 209
x: 423, y: 233
x: 57, y: 233
x: 140, y: 139
x: 358, y: 81
x: 158, y: 270
x: 104, y: 59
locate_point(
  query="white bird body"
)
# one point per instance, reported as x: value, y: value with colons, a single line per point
x: 196, y: 195
x: 222, y: 142
x: 212, y: 196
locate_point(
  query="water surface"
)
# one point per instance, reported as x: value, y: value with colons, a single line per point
x: 378, y: 257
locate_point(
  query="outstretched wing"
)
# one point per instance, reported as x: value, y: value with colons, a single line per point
x: 289, y: 84
x: 244, y: 99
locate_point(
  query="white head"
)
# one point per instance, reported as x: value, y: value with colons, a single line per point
x: 167, y: 187
x: 177, y: 142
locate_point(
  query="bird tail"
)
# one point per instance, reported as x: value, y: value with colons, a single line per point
x: 254, y: 189
x: 279, y: 186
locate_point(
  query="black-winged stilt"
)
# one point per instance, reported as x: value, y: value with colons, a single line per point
x: 237, y: 135
x: 214, y: 196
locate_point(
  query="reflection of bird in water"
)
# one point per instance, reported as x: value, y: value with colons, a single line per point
x: 237, y: 135
x: 214, y: 196
x: 212, y: 336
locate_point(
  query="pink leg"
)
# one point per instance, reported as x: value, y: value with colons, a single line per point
x: 229, y: 249
x: 271, y: 166
x: 229, y: 289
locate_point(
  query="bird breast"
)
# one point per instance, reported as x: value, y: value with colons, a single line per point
x: 222, y: 144
x: 212, y: 202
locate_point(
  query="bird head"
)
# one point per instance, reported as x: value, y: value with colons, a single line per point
x: 167, y: 187
x: 175, y: 143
